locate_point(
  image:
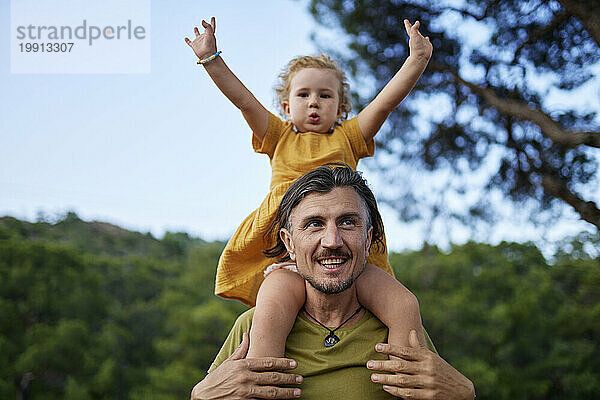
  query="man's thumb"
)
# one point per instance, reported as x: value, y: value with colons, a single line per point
x: 413, y: 340
x: 242, y: 349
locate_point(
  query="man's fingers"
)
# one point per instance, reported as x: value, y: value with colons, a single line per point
x: 270, y: 364
x: 276, y: 378
x: 394, y: 366
x: 213, y: 24
x: 405, y: 393
x: 188, y: 41
x: 242, y: 349
x: 272, y: 392
x: 196, y: 31
x: 413, y: 340
x: 401, y: 380
x: 407, y: 353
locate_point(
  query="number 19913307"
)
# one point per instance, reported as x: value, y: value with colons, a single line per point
x: 46, y: 47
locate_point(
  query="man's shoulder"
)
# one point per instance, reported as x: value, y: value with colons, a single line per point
x: 245, y: 317
x: 242, y: 324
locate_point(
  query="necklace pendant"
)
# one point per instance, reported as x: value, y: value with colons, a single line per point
x: 331, y: 340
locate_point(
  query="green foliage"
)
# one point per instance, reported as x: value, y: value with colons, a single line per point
x: 518, y: 327
x: 90, y: 310
x: 496, y: 111
x: 50, y: 305
x: 79, y: 324
x: 99, y: 237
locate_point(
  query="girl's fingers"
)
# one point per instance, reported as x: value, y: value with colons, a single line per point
x: 407, y: 26
x: 196, y: 31
x: 415, y: 29
x: 207, y: 27
x: 188, y: 41
x: 213, y: 24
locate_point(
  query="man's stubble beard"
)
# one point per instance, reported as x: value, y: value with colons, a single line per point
x: 333, y: 287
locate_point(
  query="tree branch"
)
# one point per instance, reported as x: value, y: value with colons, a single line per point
x: 536, y: 34
x: 481, y: 17
x: 513, y: 108
x: 586, y: 209
x: 466, y: 13
x: 588, y: 12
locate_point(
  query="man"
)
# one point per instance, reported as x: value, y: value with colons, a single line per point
x: 330, y: 209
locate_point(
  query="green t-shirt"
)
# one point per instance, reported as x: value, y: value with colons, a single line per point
x: 338, y: 372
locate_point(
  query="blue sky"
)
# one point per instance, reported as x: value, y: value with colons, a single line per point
x: 163, y: 150
x: 159, y: 151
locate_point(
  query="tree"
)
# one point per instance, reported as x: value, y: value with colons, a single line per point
x: 89, y: 310
x: 516, y: 326
x: 197, y: 323
x: 80, y: 321
x: 485, y: 115
x: 50, y: 306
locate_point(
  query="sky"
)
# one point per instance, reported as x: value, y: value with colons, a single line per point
x: 163, y: 150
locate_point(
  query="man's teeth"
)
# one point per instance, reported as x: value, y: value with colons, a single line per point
x: 332, y: 262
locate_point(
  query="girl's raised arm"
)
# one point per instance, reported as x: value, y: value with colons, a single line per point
x: 205, y: 46
x: 374, y: 115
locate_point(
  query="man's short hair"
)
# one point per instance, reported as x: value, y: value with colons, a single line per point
x: 323, y: 180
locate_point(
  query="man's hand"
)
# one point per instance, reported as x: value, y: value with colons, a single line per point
x: 418, y: 373
x: 255, y: 378
x: 205, y: 44
x: 420, y: 47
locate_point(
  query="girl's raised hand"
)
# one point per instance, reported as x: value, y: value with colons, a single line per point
x: 419, y: 46
x: 205, y: 44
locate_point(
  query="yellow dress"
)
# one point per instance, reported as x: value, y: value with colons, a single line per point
x: 292, y: 154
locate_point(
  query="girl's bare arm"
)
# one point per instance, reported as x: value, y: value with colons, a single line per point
x: 374, y: 115
x: 391, y: 302
x: 204, y: 46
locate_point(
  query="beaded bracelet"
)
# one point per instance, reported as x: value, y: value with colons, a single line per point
x: 209, y: 58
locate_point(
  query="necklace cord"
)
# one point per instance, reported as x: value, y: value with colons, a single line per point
x: 332, y: 331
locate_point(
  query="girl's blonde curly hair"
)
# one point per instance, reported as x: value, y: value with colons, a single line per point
x: 282, y: 88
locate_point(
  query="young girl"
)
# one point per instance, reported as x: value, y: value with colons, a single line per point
x: 314, y: 96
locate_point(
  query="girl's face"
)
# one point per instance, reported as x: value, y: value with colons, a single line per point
x: 314, y: 100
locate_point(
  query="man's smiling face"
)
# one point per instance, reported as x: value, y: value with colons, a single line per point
x: 329, y: 238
